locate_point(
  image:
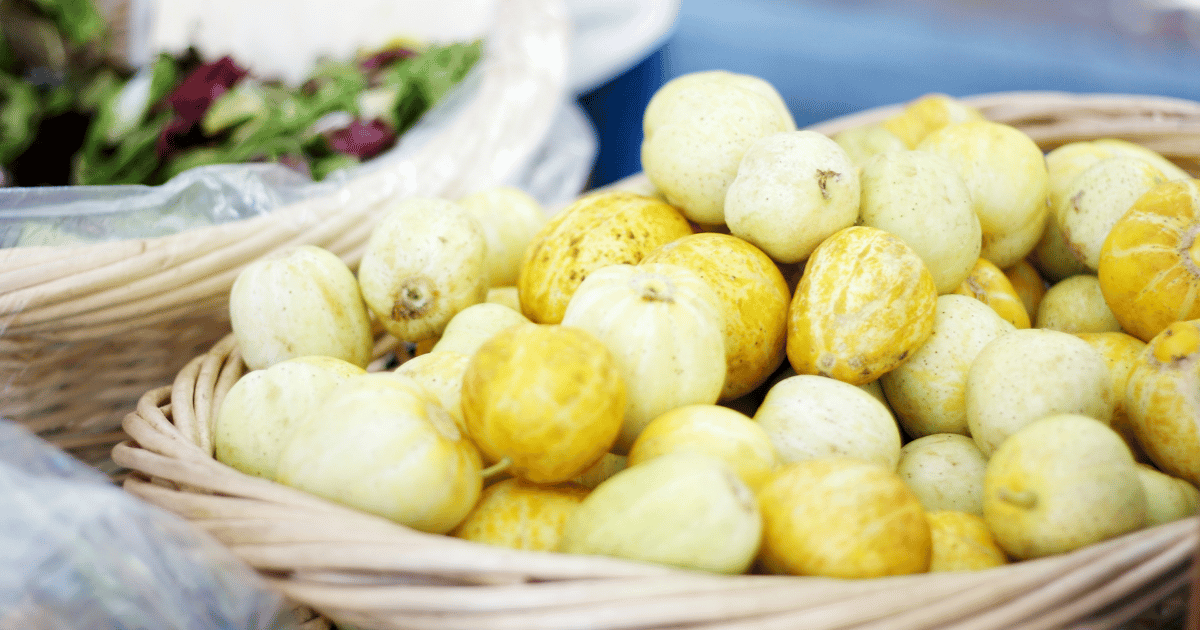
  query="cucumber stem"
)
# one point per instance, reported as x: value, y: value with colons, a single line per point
x: 496, y: 468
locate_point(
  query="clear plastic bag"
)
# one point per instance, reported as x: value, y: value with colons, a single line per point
x: 78, y: 552
x: 211, y: 195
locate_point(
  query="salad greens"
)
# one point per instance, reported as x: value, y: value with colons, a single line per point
x: 70, y: 117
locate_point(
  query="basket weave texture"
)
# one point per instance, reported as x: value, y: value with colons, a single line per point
x: 85, y: 330
x: 370, y: 572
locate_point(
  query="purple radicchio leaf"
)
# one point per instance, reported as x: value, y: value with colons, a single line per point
x: 191, y: 99
x: 362, y: 139
x: 386, y: 58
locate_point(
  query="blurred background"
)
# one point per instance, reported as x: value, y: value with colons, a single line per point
x: 832, y: 57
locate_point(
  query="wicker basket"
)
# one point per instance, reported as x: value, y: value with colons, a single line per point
x: 86, y: 330
x: 372, y: 573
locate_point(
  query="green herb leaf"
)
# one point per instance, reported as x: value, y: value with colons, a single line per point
x: 79, y: 20
x: 8, y: 57
x: 97, y: 90
x: 132, y: 161
x: 322, y: 167
x: 20, y: 113
x: 243, y: 102
x: 438, y: 69
x: 166, y: 75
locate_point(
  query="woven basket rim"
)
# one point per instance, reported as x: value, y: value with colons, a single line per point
x: 1034, y: 103
x: 362, y: 569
